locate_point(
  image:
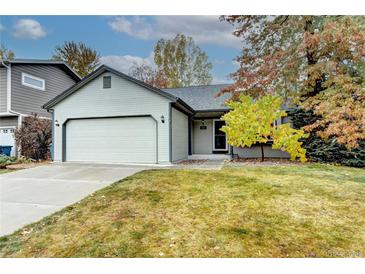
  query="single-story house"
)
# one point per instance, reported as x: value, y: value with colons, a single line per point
x: 110, y: 117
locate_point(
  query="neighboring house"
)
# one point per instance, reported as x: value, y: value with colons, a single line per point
x: 113, y: 118
x: 25, y: 85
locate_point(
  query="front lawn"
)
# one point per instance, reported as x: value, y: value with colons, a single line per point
x: 285, y: 211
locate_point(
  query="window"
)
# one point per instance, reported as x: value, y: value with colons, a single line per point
x: 277, y: 122
x: 107, y: 82
x: 33, y: 82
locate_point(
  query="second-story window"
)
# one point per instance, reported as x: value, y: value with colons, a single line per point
x: 33, y: 81
x: 107, y: 82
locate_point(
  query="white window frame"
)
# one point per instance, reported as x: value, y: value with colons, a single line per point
x: 218, y: 149
x: 35, y: 78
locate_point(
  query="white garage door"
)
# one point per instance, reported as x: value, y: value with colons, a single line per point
x: 114, y: 140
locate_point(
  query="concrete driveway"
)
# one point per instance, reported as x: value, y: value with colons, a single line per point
x: 28, y: 195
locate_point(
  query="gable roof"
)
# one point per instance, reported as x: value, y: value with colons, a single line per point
x: 64, y: 66
x: 102, y: 69
x: 202, y: 98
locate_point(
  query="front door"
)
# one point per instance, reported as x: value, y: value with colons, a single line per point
x: 219, y: 137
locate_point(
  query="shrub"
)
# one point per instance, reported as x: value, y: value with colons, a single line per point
x: 34, y: 137
x: 8, y: 160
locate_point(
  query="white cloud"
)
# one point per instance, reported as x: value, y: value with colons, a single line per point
x: 204, y: 29
x: 137, y: 27
x: 2, y: 28
x: 28, y: 29
x: 123, y: 63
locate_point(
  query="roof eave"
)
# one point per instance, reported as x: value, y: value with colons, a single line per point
x: 75, y: 75
x: 180, y: 101
x: 212, y: 110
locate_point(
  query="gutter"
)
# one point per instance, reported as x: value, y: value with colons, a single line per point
x: 46, y: 62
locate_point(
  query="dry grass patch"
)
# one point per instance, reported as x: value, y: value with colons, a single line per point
x: 285, y: 211
x: 3, y: 171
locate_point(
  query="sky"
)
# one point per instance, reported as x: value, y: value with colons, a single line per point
x: 121, y: 40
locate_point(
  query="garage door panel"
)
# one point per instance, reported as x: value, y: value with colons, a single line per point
x: 111, y: 140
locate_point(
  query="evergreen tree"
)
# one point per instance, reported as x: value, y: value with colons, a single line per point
x: 330, y: 151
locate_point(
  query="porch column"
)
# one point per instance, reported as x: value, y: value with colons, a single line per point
x: 190, y: 121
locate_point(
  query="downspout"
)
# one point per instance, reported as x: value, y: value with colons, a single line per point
x: 170, y: 132
x: 8, y: 90
x: 53, y: 134
x: 8, y: 85
x: 17, y: 148
x: 190, y: 121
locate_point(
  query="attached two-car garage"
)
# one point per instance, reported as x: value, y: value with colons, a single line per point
x: 114, y: 139
x: 110, y: 117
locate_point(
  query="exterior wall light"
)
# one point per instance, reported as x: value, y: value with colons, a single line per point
x: 56, y: 123
x: 162, y: 119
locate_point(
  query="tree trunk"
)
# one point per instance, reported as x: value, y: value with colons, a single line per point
x: 262, y: 152
x: 312, y: 60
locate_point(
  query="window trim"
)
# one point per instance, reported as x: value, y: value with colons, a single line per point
x: 35, y: 78
x: 104, y: 77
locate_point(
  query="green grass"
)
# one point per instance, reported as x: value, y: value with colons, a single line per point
x: 282, y: 211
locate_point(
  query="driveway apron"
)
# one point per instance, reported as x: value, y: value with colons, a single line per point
x: 28, y: 195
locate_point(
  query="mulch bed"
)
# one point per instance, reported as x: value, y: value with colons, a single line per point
x: 192, y: 162
x: 26, y: 165
x: 266, y: 162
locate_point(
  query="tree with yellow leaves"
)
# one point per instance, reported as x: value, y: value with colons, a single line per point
x: 251, y: 122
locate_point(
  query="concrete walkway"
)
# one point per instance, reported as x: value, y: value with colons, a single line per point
x: 28, y: 195
x: 204, y: 164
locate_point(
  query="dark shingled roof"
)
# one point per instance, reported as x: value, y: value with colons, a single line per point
x: 201, y: 98
x: 61, y: 64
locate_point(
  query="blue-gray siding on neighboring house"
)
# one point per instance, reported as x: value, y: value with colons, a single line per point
x: 27, y: 100
x: 3, y: 89
x: 9, y: 121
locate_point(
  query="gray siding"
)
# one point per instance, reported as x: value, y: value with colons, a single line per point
x: 179, y: 135
x: 255, y: 152
x: 286, y: 120
x: 203, y: 143
x: 122, y: 99
x: 27, y: 100
x: 203, y: 138
x: 3, y: 89
x: 8, y: 121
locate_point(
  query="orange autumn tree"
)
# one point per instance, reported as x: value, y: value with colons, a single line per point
x: 147, y: 74
x: 316, y: 62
